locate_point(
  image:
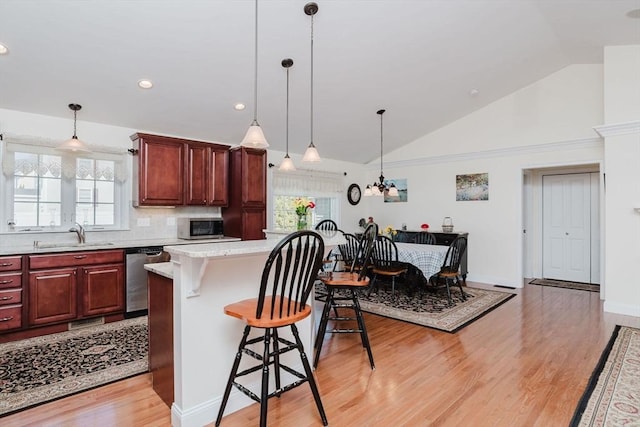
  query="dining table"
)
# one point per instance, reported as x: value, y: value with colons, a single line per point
x: 426, y: 258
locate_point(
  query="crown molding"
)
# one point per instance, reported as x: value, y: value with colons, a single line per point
x: 626, y: 128
x: 587, y: 143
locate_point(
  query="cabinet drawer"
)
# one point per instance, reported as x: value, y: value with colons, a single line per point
x: 10, y: 317
x: 10, y: 296
x: 10, y: 263
x: 75, y: 258
x: 10, y: 280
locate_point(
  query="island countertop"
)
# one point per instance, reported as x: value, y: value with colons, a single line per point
x: 245, y: 247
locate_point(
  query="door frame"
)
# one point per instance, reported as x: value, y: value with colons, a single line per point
x: 531, y: 226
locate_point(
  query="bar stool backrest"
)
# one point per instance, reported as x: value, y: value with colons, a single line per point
x: 362, y: 260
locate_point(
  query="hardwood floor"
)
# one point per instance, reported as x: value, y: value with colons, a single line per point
x: 524, y: 364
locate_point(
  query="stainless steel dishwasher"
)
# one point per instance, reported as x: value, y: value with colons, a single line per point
x: 136, y: 284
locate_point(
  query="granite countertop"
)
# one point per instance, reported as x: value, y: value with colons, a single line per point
x: 164, y: 269
x: 246, y: 247
x: 45, y: 247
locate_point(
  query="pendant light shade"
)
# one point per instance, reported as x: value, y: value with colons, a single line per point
x: 254, y: 137
x: 311, y: 154
x: 74, y: 144
x: 379, y: 188
x: 287, y: 164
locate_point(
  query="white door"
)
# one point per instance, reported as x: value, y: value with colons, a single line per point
x: 566, y: 223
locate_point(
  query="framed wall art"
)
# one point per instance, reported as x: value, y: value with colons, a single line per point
x: 472, y: 187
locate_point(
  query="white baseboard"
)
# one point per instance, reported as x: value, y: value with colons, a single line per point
x: 625, y: 309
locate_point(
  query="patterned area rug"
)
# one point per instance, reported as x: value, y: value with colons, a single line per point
x: 430, y: 308
x: 612, y: 397
x: 41, y: 369
x: 567, y: 285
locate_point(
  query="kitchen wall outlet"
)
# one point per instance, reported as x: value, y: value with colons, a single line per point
x: 144, y: 222
x: 171, y: 221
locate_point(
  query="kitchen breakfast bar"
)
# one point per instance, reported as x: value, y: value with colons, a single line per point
x: 206, y: 278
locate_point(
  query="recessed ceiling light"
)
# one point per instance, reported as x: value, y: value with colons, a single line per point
x: 3, y: 49
x: 635, y: 13
x: 239, y: 106
x: 145, y: 84
x: 474, y: 92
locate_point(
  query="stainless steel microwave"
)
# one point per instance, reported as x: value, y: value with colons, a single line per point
x: 200, y: 228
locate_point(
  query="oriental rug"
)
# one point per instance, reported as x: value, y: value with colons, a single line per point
x: 612, y: 397
x: 430, y: 308
x: 42, y: 369
x: 565, y: 284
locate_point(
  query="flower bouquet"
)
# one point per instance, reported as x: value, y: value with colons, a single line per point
x: 302, y: 206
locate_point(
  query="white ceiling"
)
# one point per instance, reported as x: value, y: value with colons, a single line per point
x: 419, y: 59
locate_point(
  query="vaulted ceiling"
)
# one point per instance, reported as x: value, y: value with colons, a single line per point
x: 419, y: 59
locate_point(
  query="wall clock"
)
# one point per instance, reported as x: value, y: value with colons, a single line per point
x: 354, y: 194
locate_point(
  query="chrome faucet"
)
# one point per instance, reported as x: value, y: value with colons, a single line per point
x: 79, y: 230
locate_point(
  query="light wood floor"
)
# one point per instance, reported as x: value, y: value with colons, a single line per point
x: 524, y: 364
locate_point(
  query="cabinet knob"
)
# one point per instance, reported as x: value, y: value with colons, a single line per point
x: 6, y: 319
x: 80, y: 256
x: 6, y: 264
x: 6, y: 298
x: 4, y: 282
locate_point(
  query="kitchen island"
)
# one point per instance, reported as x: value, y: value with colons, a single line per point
x: 207, y: 277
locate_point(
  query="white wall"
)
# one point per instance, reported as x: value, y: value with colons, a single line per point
x: 622, y: 165
x: 548, y: 123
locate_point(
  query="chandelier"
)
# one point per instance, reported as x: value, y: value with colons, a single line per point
x: 379, y: 188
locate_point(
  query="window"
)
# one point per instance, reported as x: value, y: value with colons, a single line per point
x: 323, y: 188
x: 48, y: 190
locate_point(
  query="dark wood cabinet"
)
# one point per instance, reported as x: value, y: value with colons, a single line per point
x: 245, y: 217
x: 161, y: 335
x: 102, y: 289
x: 175, y: 172
x: 442, y: 238
x: 159, y: 170
x: 207, y: 171
x: 10, y: 292
x: 70, y: 286
x: 53, y: 296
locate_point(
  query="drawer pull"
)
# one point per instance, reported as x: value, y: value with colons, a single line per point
x: 6, y: 319
x: 80, y: 256
x: 6, y: 298
x: 6, y: 264
x: 4, y: 282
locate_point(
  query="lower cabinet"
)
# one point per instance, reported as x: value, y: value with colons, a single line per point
x: 83, y: 284
x: 161, y: 335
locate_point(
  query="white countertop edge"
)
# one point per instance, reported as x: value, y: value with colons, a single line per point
x: 164, y: 269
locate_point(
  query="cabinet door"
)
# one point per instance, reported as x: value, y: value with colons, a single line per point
x: 218, y: 176
x: 197, y: 171
x: 102, y: 289
x: 254, y: 179
x: 161, y: 172
x: 52, y: 296
x: 253, y: 222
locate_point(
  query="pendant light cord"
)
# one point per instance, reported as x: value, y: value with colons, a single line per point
x: 255, y: 80
x: 311, y: 80
x: 381, y: 175
x: 287, y: 133
x: 75, y: 113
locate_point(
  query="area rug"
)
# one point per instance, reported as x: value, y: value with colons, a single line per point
x: 612, y: 397
x: 41, y: 369
x: 430, y: 308
x: 565, y: 284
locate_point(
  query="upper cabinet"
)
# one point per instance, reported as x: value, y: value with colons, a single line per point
x: 245, y: 216
x: 175, y: 172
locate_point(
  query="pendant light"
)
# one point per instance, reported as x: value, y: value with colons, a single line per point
x: 379, y: 188
x: 255, y: 137
x: 287, y: 164
x: 74, y: 144
x: 311, y: 155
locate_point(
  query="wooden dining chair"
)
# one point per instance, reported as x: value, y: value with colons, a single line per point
x: 348, y: 250
x: 342, y: 293
x: 287, y: 281
x: 449, y: 273
x: 424, y: 238
x: 385, y: 263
